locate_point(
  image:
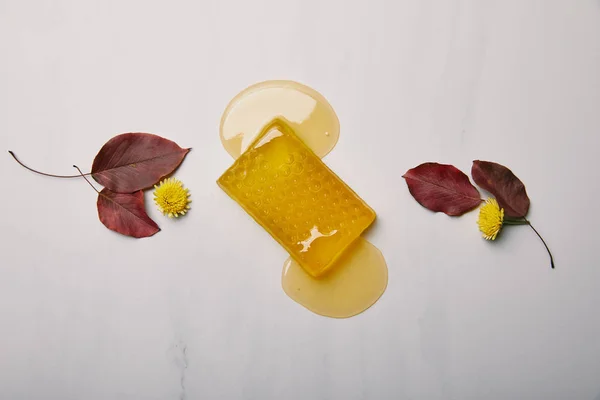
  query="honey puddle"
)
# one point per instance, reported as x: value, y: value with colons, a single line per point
x: 354, y: 284
x: 304, y: 109
x: 359, y: 278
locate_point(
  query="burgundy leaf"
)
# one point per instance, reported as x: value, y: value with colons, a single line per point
x: 134, y: 161
x: 125, y: 213
x: 502, y: 184
x: 441, y: 187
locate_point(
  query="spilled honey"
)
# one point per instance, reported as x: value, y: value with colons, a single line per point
x: 358, y: 277
x: 304, y: 109
x: 349, y: 288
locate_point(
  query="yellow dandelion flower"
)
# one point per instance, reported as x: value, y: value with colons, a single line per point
x: 171, y: 198
x: 491, y: 217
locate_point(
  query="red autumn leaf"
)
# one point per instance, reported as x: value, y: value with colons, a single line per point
x: 135, y: 161
x: 441, y: 187
x: 125, y: 213
x: 500, y: 181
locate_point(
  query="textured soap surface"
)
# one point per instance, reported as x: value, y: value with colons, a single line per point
x: 291, y: 193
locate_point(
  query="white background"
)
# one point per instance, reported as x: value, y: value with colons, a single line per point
x: 89, y: 314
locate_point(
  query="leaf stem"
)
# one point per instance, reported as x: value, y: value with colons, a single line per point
x: 43, y: 173
x: 86, y: 179
x: 543, y: 241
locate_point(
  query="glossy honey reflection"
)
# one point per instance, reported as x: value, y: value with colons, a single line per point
x: 353, y: 285
x: 292, y: 194
x: 306, y: 111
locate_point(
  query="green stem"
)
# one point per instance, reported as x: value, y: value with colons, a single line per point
x: 43, y: 173
x: 514, y: 222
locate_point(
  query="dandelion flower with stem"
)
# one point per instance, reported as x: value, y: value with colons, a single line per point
x: 491, y: 219
x: 171, y: 197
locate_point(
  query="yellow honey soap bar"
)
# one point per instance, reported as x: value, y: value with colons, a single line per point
x: 291, y: 193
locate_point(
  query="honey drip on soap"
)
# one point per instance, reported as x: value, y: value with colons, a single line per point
x: 360, y: 276
x: 306, y: 111
x: 352, y: 286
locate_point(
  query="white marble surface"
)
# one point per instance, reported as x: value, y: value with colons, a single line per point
x: 197, y: 312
